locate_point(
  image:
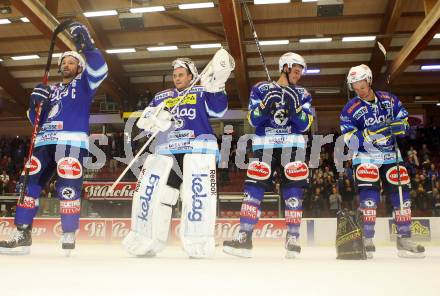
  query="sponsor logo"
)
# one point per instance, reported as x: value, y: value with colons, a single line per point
x: 402, y: 216
x: 360, y: 112
x: 69, y: 168
x: 34, y: 165
x: 296, y: 171
x: 258, y: 170
x: 367, y: 172
x: 101, y: 190
x: 213, y: 181
x: 249, y: 211
x: 293, y: 216
x: 182, y: 134
x: 374, y: 120
x: 278, y: 131
x: 68, y: 193
x: 52, y: 126
x: 28, y: 203
x: 189, y: 113
x: 198, y: 192
x: 145, y: 198
x: 369, y: 214
x: 420, y: 229
x: 392, y: 176
x: 191, y: 99
x: 70, y: 207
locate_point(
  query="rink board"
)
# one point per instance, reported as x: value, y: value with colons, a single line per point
x: 313, y: 231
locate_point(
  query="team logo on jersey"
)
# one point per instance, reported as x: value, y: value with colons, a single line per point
x: 280, y: 116
x: 34, y: 166
x: 367, y: 172
x: 179, y: 123
x: 69, y: 168
x: 55, y: 109
x: 258, y: 170
x: 293, y: 203
x: 68, y: 193
x: 296, y: 171
x: 392, y: 175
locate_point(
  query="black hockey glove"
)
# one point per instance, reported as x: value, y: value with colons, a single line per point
x: 81, y: 37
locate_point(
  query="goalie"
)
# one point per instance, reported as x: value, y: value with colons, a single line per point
x: 186, y: 142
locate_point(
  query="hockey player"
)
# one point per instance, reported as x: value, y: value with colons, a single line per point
x: 187, y: 144
x: 375, y: 118
x: 62, y: 141
x: 281, y: 113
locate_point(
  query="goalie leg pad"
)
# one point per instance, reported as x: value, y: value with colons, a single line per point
x: 199, y: 202
x: 152, y: 208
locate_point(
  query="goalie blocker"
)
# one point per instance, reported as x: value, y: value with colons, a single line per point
x: 349, y: 236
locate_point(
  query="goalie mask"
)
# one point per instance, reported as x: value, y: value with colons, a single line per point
x: 290, y: 59
x: 359, y: 73
x: 187, y: 64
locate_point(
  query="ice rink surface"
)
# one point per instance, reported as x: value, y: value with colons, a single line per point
x: 98, y: 269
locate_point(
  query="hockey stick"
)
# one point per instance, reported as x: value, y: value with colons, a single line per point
x: 396, y: 147
x: 61, y: 27
x: 150, y: 139
x: 257, y: 42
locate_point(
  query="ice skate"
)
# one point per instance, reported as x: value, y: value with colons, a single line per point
x: 240, y: 246
x: 407, y: 248
x: 68, y: 242
x: 19, y: 242
x: 292, y: 247
x: 370, y: 248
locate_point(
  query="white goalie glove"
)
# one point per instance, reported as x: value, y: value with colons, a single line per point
x: 155, y: 119
x: 214, y: 78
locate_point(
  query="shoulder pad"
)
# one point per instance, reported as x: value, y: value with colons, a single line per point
x: 352, y: 105
x: 262, y: 86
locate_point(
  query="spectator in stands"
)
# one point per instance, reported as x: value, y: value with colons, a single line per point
x: 347, y: 192
x: 4, y: 182
x: 316, y: 201
x: 421, y: 198
x: 335, y: 201
x: 412, y: 155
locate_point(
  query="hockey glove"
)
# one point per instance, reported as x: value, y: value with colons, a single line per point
x: 292, y: 98
x: 377, y: 134
x: 272, y: 97
x: 398, y: 127
x: 155, y: 119
x: 215, y: 77
x: 81, y: 37
x: 40, y: 94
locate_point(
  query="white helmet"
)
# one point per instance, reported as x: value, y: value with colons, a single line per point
x: 188, y: 64
x: 290, y: 59
x: 359, y: 73
x: 74, y: 54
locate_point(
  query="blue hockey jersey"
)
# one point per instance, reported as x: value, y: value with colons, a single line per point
x: 359, y: 114
x: 191, y: 131
x: 277, y: 129
x: 65, y: 119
